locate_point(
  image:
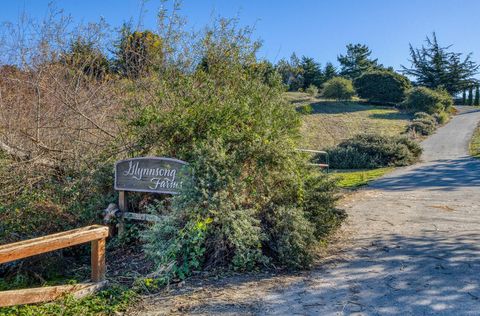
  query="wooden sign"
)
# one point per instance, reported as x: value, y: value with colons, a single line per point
x: 150, y: 174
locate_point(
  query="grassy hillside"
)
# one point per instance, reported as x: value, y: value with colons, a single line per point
x: 326, y: 122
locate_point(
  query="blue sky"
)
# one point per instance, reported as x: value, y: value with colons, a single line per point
x: 319, y: 29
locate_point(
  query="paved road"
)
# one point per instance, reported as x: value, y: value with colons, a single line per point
x: 414, y: 248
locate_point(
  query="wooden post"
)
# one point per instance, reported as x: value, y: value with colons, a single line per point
x: 122, y: 206
x: 98, y: 260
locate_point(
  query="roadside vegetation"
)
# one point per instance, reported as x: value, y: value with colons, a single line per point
x: 349, y: 179
x: 475, y: 143
x: 68, y: 112
x: 253, y: 204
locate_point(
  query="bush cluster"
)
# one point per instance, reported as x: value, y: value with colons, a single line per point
x: 338, y: 88
x: 312, y: 90
x: 425, y: 124
x: 382, y: 86
x: 427, y: 100
x: 441, y: 117
x: 367, y: 151
x: 253, y: 200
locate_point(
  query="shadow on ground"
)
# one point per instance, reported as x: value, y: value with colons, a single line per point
x: 391, y: 116
x: 341, y: 107
x: 443, y: 175
x: 434, y: 274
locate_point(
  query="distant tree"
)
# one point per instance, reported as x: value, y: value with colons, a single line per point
x: 470, y: 95
x: 291, y: 72
x: 476, y: 101
x: 85, y: 56
x: 137, y: 52
x: 338, y: 88
x: 266, y: 69
x: 330, y: 71
x: 312, y: 73
x: 357, y: 61
x: 464, y: 96
x: 435, y: 66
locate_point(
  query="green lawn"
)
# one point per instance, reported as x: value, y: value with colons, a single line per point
x: 356, y: 178
x: 475, y: 143
x: 327, y: 122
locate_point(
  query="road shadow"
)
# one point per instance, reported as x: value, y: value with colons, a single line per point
x: 338, y: 107
x: 432, y: 274
x: 443, y: 175
x: 391, y: 116
x: 467, y: 110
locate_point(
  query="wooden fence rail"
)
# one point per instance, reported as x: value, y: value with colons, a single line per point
x: 95, y: 234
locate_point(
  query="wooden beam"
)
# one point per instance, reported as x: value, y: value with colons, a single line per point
x: 31, y: 247
x: 47, y: 294
x: 98, y: 260
x: 142, y: 217
x: 122, y: 206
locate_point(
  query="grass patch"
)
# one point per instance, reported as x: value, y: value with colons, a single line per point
x: 111, y: 301
x: 475, y: 143
x: 357, y: 178
x: 327, y: 122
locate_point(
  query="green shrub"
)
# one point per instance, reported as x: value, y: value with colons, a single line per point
x: 427, y: 100
x: 56, y: 204
x: 338, y: 88
x: 319, y: 204
x: 422, y: 126
x: 367, y: 151
x: 441, y: 117
x: 290, y: 236
x: 245, y: 206
x: 312, y: 90
x: 423, y: 115
x: 382, y: 86
x: 305, y: 109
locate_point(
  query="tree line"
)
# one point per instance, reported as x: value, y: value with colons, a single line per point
x: 432, y: 66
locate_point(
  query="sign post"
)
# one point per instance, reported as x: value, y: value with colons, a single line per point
x: 146, y: 174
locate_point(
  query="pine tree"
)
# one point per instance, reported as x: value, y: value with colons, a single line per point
x: 477, y: 96
x: 330, y: 71
x: 470, y: 95
x: 312, y: 73
x: 464, y: 97
x: 357, y: 61
x: 435, y: 66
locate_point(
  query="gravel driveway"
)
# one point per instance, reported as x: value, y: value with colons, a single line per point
x: 413, y: 248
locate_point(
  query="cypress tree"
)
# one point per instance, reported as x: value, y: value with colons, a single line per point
x: 436, y: 66
x: 470, y: 95
x: 464, y: 97
x: 477, y: 95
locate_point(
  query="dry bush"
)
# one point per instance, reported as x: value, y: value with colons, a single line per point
x: 56, y: 114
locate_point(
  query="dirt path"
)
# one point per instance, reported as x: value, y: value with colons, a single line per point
x: 413, y: 249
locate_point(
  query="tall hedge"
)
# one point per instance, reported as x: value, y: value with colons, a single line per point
x: 382, y: 86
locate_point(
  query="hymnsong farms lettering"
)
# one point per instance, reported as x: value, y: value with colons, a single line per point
x: 145, y: 174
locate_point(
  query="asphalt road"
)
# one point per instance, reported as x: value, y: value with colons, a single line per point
x: 413, y: 248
